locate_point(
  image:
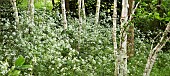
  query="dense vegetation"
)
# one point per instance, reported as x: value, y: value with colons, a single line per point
x: 46, y: 49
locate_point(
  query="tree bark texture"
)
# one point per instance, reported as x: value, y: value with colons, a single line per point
x: 31, y: 11
x: 97, y: 11
x: 64, y: 14
x: 80, y: 13
x: 80, y: 22
x: 13, y: 2
x: 114, y: 37
x: 83, y: 8
x: 154, y: 52
x: 130, y: 35
x: 123, y: 40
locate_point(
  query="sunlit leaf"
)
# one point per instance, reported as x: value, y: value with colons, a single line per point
x: 20, y: 61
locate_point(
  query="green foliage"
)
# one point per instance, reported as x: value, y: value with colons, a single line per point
x: 52, y: 51
x: 49, y: 48
x: 18, y: 65
x: 149, y: 15
x: 20, y: 61
x: 162, y: 63
x: 16, y: 69
x: 38, y: 4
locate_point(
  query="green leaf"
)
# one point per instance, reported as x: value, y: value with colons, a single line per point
x: 12, y: 68
x: 167, y: 19
x: 25, y: 66
x: 169, y: 13
x: 144, y: 4
x: 20, y: 61
x: 157, y: 16
x: 14, y: 73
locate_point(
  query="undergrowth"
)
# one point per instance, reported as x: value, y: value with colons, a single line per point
x: 53, y: 51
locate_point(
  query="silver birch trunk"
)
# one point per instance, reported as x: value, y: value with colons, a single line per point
x: 114, y: 37
x: 14, y: 7
x: 80, y: 13
x: 64, y: 14
x: 154, y: 52
x: 83, y: 8
x: 97, y: 11
x: 114, y: 27
x: 31, y: 11
x: 123, y: 40
x: 80, y: 22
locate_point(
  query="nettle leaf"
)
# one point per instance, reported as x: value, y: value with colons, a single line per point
x: 157, y: 16
x: 144, y: 4
x: 15, y: 73
x: 25, y: 66
x: 20, y: 61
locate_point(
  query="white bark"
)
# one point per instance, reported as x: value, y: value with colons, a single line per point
x: 123, y: 40
x: 79, y: 13
x: 114, y: 37
x: 14, y: 6
x: 154, y: 52
x: 83, y: 8
x: 80, y: 22
x: 133, y: 11
x: 97, y: 11
x: 64, y: 14
x: 114, y: 27
x: 31, y: 11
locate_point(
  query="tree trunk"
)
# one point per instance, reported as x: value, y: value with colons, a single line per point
x: 97, y: 11
x: 154, y: 52
x: 130, y: 36
x: 114, y: 37
x: 130, y: 41
x: 13, y: 2
x: 123, y: 40
x: 83, y: 8
x: 31, y: 11
x: 64, y: 14
x: 79, y: 12
x: 80, y: 23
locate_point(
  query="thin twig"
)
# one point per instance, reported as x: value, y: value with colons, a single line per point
x: 154, y: 39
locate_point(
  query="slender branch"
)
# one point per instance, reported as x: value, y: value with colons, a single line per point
x: 153, y: 53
